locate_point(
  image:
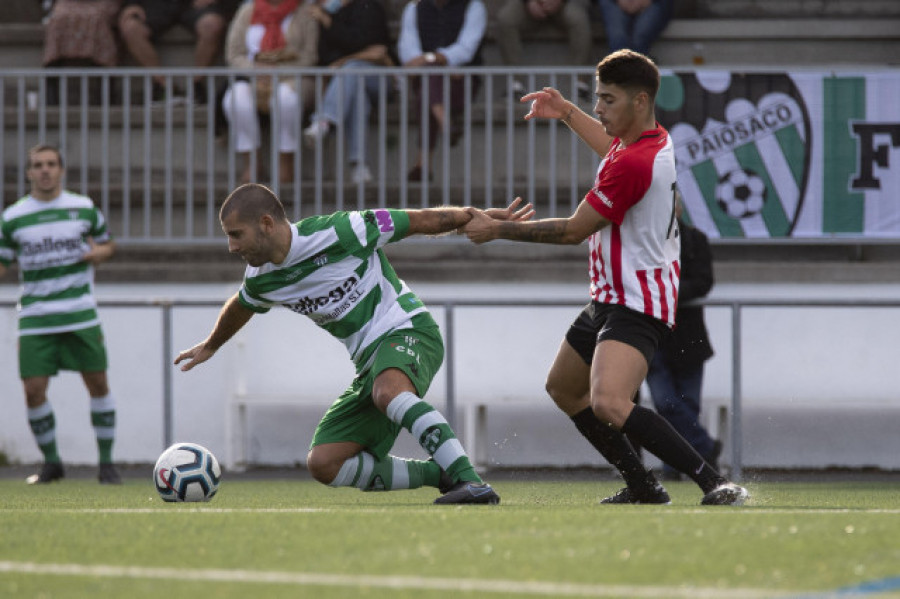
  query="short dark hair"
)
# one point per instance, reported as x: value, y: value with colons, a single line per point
x: 630, y: 70
x: 45, y: 148
x: 251, y: 201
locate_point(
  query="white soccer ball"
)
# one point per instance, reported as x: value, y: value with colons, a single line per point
x: 187, y: 472
x: 741, y: 193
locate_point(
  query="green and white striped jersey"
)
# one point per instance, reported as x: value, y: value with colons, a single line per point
x: 336, y: 274
x: 49, y: 240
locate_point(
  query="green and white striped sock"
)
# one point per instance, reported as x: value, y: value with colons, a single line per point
x: 366, y: 473
x: 103, y: 417
x: 43, y: 426
x: 433, y: 433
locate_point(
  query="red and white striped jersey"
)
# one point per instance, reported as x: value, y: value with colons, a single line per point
x: 634, y: 260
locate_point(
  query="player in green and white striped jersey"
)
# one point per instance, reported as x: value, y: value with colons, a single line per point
x: 57, y: 237
x: 332, y: 269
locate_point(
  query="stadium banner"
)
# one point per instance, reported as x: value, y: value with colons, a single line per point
x: 803, y: 155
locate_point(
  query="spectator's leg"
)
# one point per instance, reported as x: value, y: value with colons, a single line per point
x: 136, y: 35
x: 435, y: 90
x: 650, y: 23
x: 342, y: 99
x: 511, y: 20
x: 289, y: 114
x: 575, y: 19
x: 435, y: 109
x: 617, y: 25
x: 210, y: 30
x: 689, y: 382
x: 365, y: 93
x: 676, y: 398
x: 239, y: 106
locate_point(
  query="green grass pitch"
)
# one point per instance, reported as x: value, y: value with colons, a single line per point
x: 281, y: 538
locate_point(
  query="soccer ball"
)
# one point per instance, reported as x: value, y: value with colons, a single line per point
x: 187, y: 472
x: 741, y: 193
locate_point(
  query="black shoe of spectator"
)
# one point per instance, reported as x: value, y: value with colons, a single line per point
x: 456, y: 132
x: 416, y: 175
x: 200, y: 95
x: 159, y: 97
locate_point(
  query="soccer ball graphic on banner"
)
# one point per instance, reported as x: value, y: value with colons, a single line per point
x: 187, y: 472
x: 741, y: 193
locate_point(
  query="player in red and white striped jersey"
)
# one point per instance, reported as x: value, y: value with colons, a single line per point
x: 628, y: 217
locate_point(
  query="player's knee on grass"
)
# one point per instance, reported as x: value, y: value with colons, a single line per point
x: 321, y: 467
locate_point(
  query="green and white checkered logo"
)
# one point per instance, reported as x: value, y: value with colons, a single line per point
x: 742, y: 150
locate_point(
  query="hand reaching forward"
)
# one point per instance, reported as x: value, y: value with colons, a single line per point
x: 512, y: 212
x: 481, y: 228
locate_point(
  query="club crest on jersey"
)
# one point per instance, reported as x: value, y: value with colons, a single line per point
x: 742, y: 150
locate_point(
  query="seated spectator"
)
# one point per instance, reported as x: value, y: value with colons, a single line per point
x: 79, y: 33
x: 518, y: 17
x: 353, y: 34
x: 265, y: 34
x: 142, y: 22
x: 439, y: 33
x: 635, y: 24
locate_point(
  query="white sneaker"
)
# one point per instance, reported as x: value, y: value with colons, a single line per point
x: 361, y: 174
x: 317, y: 130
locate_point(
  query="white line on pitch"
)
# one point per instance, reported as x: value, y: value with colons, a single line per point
x: 204, y: 508
x: 514, y: 587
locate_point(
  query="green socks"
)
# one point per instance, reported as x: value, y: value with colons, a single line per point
x: 103, y: 418
x: 434, y: 434
x: 43, y: 426
x: 366, y: 473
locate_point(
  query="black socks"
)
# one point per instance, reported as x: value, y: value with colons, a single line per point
x: 659, y: 438
x: 615, y: 447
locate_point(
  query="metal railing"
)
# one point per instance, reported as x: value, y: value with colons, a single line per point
x: 450, y: 307
x: 159, y: 167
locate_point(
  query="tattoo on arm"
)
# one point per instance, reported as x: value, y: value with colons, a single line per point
x: 551, y: 230
x: 450, y: 219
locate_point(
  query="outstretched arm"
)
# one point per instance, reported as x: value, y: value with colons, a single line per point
x: 562, y: 231
x: 434, y: 221
x: 548, y: 103
x: 232, y: 317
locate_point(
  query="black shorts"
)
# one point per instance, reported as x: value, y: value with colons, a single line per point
x: 162, y: 15
x: 601, y: 322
